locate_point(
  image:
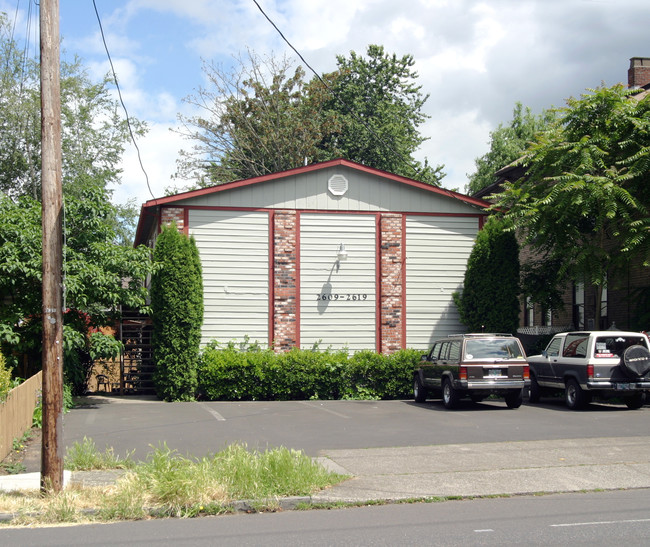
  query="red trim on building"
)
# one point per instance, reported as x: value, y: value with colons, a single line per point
x: 169, y: 200
x: 378, y: 287
x: 308, y: 169
x: 404, y: 281
x: 298, y: 262
x: 271, y: 265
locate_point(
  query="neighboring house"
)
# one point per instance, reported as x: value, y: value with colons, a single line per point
x: 334, y: 254
x: 626, y: 300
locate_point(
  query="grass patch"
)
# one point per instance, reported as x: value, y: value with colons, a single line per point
x: 84, y: 456
x: 168, y: 484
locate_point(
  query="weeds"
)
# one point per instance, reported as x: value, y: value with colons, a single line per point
x: 84, y: 457
x: 168, y: 484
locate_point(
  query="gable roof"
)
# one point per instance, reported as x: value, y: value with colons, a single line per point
x: 150, y: 208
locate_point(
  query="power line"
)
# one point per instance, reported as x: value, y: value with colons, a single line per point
x: 119, y: 92
x: 336, y: 96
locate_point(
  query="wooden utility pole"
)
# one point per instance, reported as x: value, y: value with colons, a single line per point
x: 52, y: 401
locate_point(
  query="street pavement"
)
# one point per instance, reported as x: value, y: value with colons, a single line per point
x: 409, y: 472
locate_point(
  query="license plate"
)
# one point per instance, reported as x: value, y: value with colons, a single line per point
x: 494, y: 372
x: 622, y: 387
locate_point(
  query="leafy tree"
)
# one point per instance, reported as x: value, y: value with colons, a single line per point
x: 489, y: 301
x: 583, y: 202
x: 177, y: 312
x: 93, y: 134
x: 507, y: 144
x: 101, y: 270
x: 99, y: 276
x: 255, y: 120
x: 380, y: 107
x: 263, y: 118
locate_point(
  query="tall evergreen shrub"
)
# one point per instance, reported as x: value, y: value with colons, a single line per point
x: 177, y: 313
x: 489, y: 301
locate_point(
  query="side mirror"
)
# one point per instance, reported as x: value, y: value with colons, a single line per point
x: 545, y: 354
x: 423, y: 358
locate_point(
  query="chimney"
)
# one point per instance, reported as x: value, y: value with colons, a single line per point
x: 638, y: 75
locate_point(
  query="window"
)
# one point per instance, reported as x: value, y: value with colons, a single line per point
x: 553, y: 349
x: 529, y: 317
x: 492, y: 349
x: 433, y: 354
x: 579, y: 305
x: 548, y: 318
x: 614, y: 346
x: 444, y: 349
x: 576, y: 345
x: 454, y: 351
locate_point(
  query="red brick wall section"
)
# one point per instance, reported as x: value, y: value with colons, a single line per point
x: 392, y: 279
x: 639, y: 72
x: 173, y: 214
x: 285, y: 335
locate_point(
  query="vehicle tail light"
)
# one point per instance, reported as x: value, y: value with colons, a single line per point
x: 526, y: 372
x: 462, y: 373
x: 590, y: 372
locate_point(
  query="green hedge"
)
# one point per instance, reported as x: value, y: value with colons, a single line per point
x: 227, y: 374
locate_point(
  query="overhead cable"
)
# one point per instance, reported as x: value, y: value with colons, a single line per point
x: 119, y: 92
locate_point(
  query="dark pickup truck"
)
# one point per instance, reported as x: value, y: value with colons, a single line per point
x: 605, y: 364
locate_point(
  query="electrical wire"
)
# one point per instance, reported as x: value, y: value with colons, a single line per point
x: 119, y: 92
x: 450, y: 193
x: 387, y: 145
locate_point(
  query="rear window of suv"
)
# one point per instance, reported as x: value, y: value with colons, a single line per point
x: 614, y: 346
x: 498, y: 348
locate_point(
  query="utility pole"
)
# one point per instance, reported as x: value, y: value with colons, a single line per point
x: 52, y: 401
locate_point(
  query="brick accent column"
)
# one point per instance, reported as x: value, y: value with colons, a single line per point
x: 392, y: 282
x: 285, y: 275
x: 173, y: 214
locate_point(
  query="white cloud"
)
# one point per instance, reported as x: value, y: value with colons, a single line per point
x: 476, y: 58
x: 158, y: 152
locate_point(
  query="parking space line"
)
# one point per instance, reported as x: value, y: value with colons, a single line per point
x: 214, y: 413
x: 312, y: 405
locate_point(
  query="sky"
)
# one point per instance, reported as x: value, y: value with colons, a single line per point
x: 475, y: 60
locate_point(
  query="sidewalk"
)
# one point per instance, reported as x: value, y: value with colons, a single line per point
x: 487, y: 469
x: 466, y: 470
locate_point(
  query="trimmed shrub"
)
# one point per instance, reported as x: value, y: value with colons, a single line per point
x: 229, y: 374
x: 489, y: 301
x: 177, y: 314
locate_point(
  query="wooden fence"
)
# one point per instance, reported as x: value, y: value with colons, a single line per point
x: 17, y: 411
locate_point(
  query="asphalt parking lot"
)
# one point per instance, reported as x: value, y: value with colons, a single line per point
x: 200, y: 428
x: 394, y: 449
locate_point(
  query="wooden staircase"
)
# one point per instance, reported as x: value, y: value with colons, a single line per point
x: 136, y: 362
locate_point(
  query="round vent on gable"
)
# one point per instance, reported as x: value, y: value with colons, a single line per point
x: 337, y: 185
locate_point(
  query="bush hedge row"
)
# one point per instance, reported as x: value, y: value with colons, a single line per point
x: 228, y: 374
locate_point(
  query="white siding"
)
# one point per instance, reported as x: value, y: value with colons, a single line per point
x: 308, y: 191
x: 437, y: 249
x: 346, y: 318
x: 234, y: 250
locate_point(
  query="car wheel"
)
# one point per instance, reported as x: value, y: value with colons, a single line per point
x: 419, y: 391
x: 636, y: 401
x: 514, y: 398
x: 535, y: 391
x: 574, y: 396
x: 450, y: 395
